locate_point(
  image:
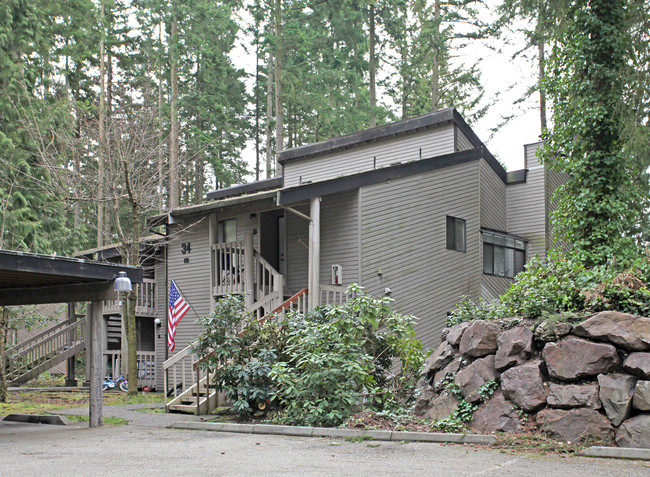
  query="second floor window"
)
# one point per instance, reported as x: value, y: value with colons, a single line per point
x: 503, y: 255
x: 456, y: 234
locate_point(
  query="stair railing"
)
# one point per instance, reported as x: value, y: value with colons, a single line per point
x: 44, y: 346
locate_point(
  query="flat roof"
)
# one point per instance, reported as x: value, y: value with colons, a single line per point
x: 30, y: 278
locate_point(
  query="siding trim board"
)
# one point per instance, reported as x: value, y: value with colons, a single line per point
x: 296, y: 194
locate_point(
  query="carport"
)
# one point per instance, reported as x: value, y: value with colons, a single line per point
x: 31, y: 279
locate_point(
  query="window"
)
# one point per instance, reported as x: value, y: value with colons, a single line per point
x: 455, y: 234
x: 503, y: 255
x: 227, y: 231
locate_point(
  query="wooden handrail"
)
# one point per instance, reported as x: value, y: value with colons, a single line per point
x: 288, y: 302
x: 261, y: 321
x: 50, y: 331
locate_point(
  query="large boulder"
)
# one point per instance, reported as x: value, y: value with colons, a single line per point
x: 447, y: 372
x: 514, y: 347
x: 423, y: 401
x: 573, y: 359
x: 634, y: 432
x: 616, y: 392
x: 524, y: 386
x: 630, y: 332
x: 474, y: 376
x: 552, y: 330
x: 638, y: 364
x: 456, y: 333
x: 574, y: 423
x: 438, y: 359
x: 496, y: 415
x: 442, y: 406
x: 479, y: 339
x: 641, y: 400
x: 573, y: 395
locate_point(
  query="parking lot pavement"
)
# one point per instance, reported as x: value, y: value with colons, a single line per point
x: 41, y: 450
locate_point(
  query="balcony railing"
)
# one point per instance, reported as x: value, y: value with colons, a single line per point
x: 146, y: 367
x: 145, y: 304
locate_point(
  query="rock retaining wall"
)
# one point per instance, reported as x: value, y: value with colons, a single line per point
x: 566, y: 381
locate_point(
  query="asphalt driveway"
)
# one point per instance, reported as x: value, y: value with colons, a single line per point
x: 147, y: 447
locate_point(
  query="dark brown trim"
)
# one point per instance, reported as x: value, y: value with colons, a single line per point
x: 299, y: 193
x: 516, y: 177
x: 250, y: 188
x: 71, y: 269
x: 95, y: 291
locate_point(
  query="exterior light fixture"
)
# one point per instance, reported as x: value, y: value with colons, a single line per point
x: 122, y: 283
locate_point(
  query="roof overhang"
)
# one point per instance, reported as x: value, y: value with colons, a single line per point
x: 263, y: 200
x: 27, y: 279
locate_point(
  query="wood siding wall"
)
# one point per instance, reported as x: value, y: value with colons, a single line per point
x: 297, y: 251
x: 411, y: 147
x: 462, y: 142
x: 493, y: 216
x: 193, y: 278
x: 403, y: 226
x: 527, y: 205
x: 339, y: 237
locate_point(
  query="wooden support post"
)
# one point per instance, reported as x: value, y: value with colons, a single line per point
x: 70, y: 380
x: 249, y: 269
x: 94, y: 353
x: 314, y: 253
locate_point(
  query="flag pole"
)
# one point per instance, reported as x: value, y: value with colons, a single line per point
x: 186, y: 301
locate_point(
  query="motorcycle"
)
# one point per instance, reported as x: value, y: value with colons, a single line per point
x: 119, y: 383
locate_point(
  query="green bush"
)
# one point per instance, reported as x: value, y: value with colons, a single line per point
x: 320, y: 366
x: 241, y: 362
x: 561, y: 284
x: 342, y: 359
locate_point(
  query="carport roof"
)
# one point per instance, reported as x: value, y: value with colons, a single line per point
x: 28, y: 278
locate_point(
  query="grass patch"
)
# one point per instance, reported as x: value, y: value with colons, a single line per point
x: 40, y: 402
x: 112, y: 421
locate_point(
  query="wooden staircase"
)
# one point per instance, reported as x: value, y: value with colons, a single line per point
x: 189, y: 384
x: 27, y: 360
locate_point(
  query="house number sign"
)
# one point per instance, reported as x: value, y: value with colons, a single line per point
x: 185, y: 249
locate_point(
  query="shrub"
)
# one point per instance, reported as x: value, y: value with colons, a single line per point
x: 319, y: 366
x: 343, y: 358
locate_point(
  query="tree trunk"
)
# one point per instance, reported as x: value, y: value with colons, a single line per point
x: 101, y: 167
x: 435, y: 68
x: 542, y: 93
x: 279, y: 119
x: 131, y: 298
x: 269, y: 115
x: 373, y: 87
x: 161, y: 157
x: 174, y: 133
x: 3, y: 342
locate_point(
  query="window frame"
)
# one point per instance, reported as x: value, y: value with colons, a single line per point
x: 506, y: 251
x: 452, y: 240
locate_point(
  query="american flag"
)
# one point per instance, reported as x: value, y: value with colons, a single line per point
x: 178, y: 307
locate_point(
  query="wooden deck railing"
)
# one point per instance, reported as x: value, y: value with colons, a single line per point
x: 333, y: 295
x: 44, y: 346
x: 146, y: 366
x: 228, y: 268
x: 145, y: 302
